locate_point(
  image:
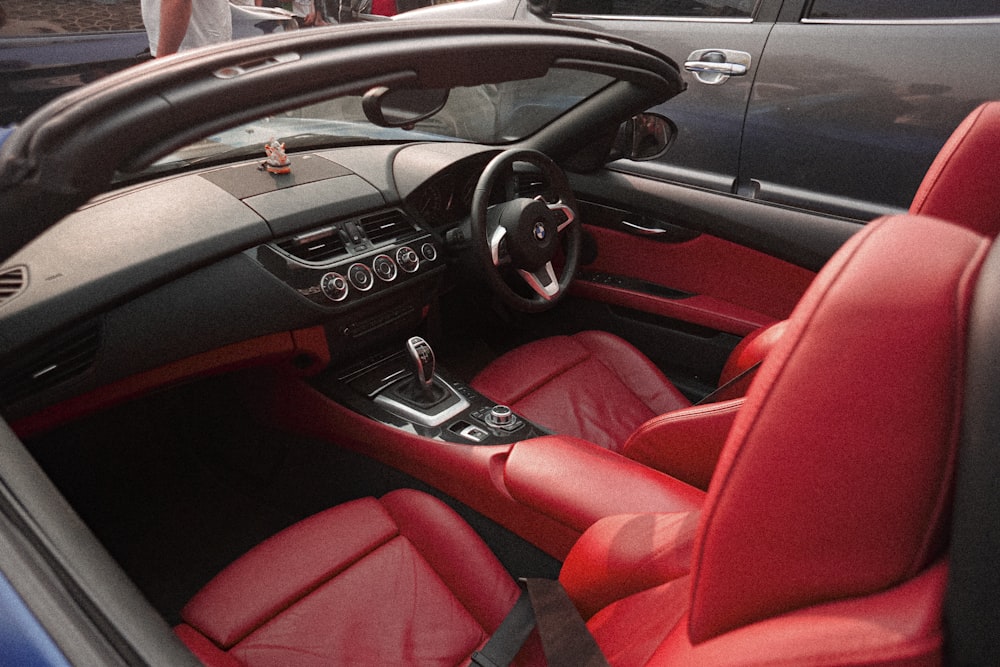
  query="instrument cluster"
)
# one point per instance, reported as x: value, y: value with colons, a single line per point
x: 445, y: 199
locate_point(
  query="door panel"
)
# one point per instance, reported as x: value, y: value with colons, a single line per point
x: 719, y: 283
x: 687, y: 295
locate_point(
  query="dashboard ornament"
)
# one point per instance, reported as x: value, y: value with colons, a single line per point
x: 277, y: 161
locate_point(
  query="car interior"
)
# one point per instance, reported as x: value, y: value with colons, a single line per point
x: 337, y: 415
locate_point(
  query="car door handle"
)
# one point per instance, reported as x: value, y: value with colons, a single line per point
x: 729, y: 69
x: 715, y: 66
x: 645, y: 231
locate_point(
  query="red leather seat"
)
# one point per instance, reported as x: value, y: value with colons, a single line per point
x: 823, y: 535
x: 822, y: 540
x: 960, y: 185
x: 598, y: 387
x: 401, y: 580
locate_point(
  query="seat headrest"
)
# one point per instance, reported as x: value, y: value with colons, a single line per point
x: 961, y: 184
x: 836, y: 478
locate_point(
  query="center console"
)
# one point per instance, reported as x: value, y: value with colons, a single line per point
x: 407, y: 390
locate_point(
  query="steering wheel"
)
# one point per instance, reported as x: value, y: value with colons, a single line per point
x: 523, y: 234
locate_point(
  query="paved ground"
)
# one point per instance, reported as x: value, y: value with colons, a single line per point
x: 36, y: 17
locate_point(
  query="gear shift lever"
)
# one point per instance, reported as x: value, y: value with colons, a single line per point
x: 420, y: 396
x: 422, y: 360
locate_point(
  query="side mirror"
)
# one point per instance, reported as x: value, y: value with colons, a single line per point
x: 402, y: 107
x: 645, y: 136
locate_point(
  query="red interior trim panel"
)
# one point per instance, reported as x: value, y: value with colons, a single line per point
x: 306, y: 348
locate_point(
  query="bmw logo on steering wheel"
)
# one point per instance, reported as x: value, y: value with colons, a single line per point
x: 539, y: 231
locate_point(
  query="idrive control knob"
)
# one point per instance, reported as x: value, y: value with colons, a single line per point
x: 500, y: 416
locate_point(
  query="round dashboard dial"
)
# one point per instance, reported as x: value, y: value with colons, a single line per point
x: 407, y: 259
x: 384, y: 268
x: 360, y: 276
x: 334, y: 286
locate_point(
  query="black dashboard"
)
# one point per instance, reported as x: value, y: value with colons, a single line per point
x: 352, y: 239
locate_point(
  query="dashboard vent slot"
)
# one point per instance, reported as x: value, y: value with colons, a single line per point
x: 319, y: 245
x: 385, y: 227
x: 12, y: 283
x: 61, y: 359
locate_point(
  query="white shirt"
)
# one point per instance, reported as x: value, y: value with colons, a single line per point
x: 211, y: 22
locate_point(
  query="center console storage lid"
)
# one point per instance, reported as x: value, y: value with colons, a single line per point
x: 576, y: 482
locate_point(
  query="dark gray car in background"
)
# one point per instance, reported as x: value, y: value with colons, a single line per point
x: 833, y: 106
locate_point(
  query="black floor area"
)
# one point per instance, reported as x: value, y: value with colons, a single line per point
x: 180, y: 483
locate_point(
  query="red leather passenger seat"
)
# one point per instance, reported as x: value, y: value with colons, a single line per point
x: 401, y: 580
x: 824, y: 532
x: 960, y: 185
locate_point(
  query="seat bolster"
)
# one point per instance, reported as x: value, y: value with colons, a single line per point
x: 456, y: 553
x: 626, y: 554
x: 247, y: 593
x: 899, y: 626
x: 960, y: 186
x: 751, y: 350
x: 685, y: 443
x: 204, y: 649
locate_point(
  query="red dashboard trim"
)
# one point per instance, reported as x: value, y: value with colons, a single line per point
x: 307, y: 347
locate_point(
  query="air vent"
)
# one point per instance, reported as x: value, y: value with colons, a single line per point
x: 320, y: 245
x: 12, y: 283
x: 385, y: 227
x: 531, y: 184
x: 59, y: 360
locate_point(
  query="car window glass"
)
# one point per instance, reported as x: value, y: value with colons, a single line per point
x: 496, y: 114
x: 667, y: 8
x: 19, y: 18
x: 902, y: 9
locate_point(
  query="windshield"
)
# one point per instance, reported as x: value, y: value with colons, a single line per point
x: 493, y: 114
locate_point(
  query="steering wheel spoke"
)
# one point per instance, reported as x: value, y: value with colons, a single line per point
x: 498, y: 249
x: 543, y: 281
x: 565, y: 215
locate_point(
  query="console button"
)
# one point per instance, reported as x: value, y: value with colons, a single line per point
x: 334, y: 286
x: 407, y: 259
x: 500, y: 416
x: 429, y: 252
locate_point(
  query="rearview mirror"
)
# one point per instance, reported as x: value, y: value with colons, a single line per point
x: 402, y: 107
x: 645, y: 136
x: 543, y: 8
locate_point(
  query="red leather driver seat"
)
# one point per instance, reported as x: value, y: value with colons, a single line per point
x: 598, y: 387
x: 822, y: 540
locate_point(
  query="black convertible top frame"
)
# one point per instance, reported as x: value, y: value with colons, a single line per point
x: 70, y: 149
